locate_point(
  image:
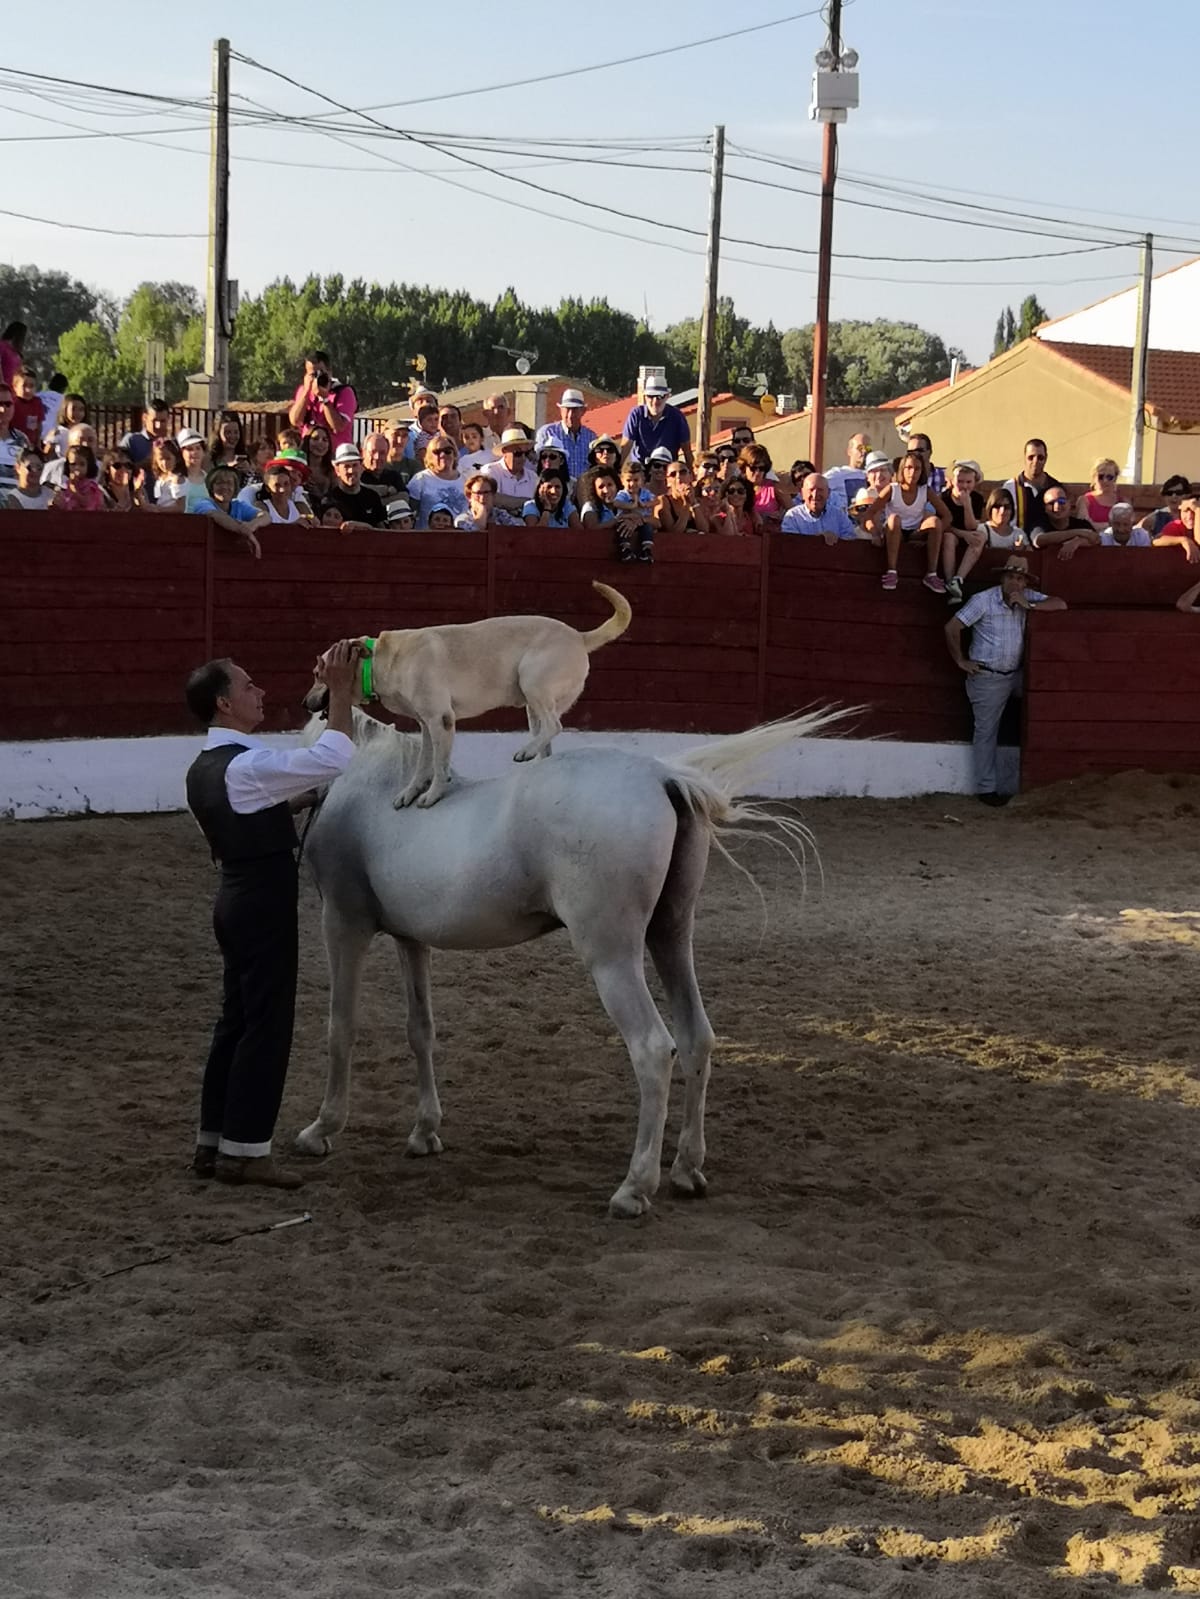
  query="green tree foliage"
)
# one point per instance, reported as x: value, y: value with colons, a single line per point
x: 48, y: 303
x: 1012, y: 329
x: 869, y: 362
x: 373, y: 332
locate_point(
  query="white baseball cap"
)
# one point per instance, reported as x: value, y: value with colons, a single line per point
x: 572, y: 397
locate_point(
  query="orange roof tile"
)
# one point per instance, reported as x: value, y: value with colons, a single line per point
x: 1172, y: 376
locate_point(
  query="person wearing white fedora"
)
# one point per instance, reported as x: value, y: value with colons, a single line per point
x: 992, y: 666
x: 569, y: 434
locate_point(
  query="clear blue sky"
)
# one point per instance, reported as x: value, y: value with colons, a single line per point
x: 1051, y: 103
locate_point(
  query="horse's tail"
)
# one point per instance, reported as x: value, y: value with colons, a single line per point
x: 710, y: 780
x: 616, y: 624
x: 733, y: 763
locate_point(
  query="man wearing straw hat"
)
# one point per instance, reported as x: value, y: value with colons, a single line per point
x: 996, y: 617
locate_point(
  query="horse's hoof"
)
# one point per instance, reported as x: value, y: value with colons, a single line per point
x: 311, y: 1142
x: 689, y: 1184
x: 423, y: 1144
x: 627, y: 1206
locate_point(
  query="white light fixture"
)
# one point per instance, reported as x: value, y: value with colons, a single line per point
x: 824, y: 60
x: 849, y: 60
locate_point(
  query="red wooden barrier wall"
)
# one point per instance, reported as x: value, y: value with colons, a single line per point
x: 101, y: 618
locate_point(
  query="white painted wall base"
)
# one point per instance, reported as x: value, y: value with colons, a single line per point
x: 76, y: 777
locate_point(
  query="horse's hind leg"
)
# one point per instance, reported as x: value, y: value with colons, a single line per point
x: 423, y: 1140
x: 672, y: 956
x: 346, y: 945
x: 621, y: 984
x: 669, y: 940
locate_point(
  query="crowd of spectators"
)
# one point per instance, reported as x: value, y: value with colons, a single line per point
x: 439, y: 472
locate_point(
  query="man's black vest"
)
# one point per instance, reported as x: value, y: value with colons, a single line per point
x: 232, y: 838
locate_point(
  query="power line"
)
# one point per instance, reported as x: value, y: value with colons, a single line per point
x: 83, y: 227
x: 575, y: 72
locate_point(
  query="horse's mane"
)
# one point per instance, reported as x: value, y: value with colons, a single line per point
x: 376, y: 742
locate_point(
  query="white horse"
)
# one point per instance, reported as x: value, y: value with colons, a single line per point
x: 611, y: 845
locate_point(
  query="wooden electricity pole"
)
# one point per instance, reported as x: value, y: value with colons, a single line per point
x: 820, y: 355
x: 216, y: 310
x: 1141, y: 350
x: 708, y: 321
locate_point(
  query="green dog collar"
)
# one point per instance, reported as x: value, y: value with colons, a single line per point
x: 367, y: 646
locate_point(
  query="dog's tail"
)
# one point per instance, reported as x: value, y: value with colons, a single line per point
x: 616, y: 624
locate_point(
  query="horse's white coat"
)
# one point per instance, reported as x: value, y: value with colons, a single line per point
x: 610, y: 845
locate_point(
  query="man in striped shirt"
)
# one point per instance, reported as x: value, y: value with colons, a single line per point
x: 996, y: 617
x: 569, y: 435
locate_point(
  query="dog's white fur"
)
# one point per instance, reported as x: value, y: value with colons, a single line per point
x: 442, y: 675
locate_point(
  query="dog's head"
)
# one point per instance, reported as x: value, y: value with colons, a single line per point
x: 317, y: 699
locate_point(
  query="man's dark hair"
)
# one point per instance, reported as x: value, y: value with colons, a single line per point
x: 318, y: 356
x: 58, y: 383
x: 206, y: 685
x: 156, y: 405
x: 1040, y: 442
x: 924, y: 438
x: 1177, y: 485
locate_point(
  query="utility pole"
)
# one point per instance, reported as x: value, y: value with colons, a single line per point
x: 708, y: 321
x: 835, y: 91
x: 1141, y: 351
x: 215, y: 379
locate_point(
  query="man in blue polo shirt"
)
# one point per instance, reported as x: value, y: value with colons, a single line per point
x: 656, y: 425
x: 818, y: 514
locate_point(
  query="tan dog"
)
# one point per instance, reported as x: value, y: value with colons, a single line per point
x: 442, y: 675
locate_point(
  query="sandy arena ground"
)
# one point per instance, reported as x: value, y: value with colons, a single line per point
x: 934, y: 1333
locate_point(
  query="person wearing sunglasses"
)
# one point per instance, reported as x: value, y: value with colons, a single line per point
x: 1095, y: 506
x: 1058, y: 529
x: 1029, y: 486
x: 737, y: 514
x: 514, y: 474
x: 438, y: 482
x: 727, y: 463
x: 655, y: 425
x: 1174, y: 490
x: 121, y: 490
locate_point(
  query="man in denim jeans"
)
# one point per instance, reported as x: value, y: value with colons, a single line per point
x: 996, y: 617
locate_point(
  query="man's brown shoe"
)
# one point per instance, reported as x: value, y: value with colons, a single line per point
x: 257, y: 1170
x: 204, y: 1161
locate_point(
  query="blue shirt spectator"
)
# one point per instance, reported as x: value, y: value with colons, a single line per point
x: 569, y: 434
x: 815, y: 513
x: 656, y: 425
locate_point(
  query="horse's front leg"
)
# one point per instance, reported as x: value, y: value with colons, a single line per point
x: 621, y: 984
x: 423, y: 1140
x: 346, y: 946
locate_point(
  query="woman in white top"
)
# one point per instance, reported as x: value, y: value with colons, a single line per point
x: 911, y: 513
x: 195, y: 466
x: 275, y: 497
x: 1002, y: 531
x: 169, y: 478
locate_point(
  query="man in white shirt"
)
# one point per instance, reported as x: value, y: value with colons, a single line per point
x: 846, y: 481
x: 513, y: 474
x: 496, y: 417
x: 1120, y: 533
x: 242, y: 794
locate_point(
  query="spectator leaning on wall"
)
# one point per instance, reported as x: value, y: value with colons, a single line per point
x: 992, y: 665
